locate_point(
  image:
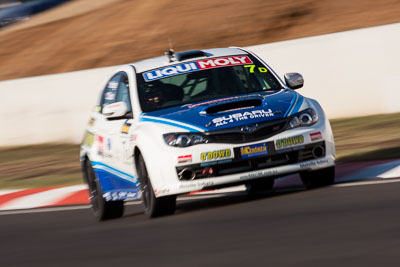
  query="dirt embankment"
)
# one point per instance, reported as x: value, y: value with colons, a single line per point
x: 94, y: 33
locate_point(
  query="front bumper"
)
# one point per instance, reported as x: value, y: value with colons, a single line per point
x: 243, y: 177
x: 232, y: 167
x: 238, y: 170
x: 237, y: 164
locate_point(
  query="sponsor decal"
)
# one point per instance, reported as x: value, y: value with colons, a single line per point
x: 108, y: 144
x: 100, y: 144
x: 195, y: 185
x: 259, y: 113
x: 170, y: 71
x: 315, y: 136
x: 195, y: 66
x: 121, y: 195
x: 289, y: 142
x: 125, y: 128
x: 254, y: 150
x: 314, y: 163
x: 223, y: 61
x: 215, y: 155
x: 185, y: 158
x: 109, y: 96
x: 259, y: 174
x: 88, y: 139
x: 133, y: 137
x: 161, y: 192
x: 113, y: 85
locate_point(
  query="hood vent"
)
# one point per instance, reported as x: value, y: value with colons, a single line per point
x: 190, y: 54
x: 234, y: 106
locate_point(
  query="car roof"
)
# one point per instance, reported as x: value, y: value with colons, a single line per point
x: 163, y: 61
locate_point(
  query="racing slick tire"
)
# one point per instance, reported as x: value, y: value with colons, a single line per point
x: 153, y: 207
x: 101, y: 209
x: 260, y: 187
x: 318, y: 178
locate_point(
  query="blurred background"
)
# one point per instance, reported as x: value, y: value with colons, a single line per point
x: 84, y: 34
x: 13, y: 11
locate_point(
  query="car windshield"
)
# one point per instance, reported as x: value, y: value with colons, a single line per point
x: 203, y: 80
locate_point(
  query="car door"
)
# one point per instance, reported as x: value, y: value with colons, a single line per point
x: 124, y: 131
x: 106, y: 127
x: 113, y: 141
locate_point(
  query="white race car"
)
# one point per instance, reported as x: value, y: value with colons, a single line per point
x: 196, y: 120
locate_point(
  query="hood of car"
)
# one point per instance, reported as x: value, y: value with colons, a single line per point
x: 229, y: 112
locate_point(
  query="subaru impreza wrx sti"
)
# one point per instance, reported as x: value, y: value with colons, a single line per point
x: 196, y: 120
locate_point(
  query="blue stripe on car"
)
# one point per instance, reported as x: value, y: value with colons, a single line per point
x: 115, y: 188
x: 115, y: 184
x: 195, y: 118
x: 120, y: 174
x: 176, y: 124
x: 291, y: 105
x: 298, y: 104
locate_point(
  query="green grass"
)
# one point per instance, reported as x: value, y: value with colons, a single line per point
x: 363, y: 138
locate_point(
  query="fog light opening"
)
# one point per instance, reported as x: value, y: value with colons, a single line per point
x: 318, y: 152
x: 187, y: 174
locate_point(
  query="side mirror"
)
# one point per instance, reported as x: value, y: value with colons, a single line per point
x: 115, y: 110
x: 294, y: 80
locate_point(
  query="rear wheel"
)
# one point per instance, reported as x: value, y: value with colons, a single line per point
x: 260, y: 186
x: 102, y: 210
x: 153, y: 207
x: 318, y: 178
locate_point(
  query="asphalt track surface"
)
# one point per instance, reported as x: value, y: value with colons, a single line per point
x: 355, y: 225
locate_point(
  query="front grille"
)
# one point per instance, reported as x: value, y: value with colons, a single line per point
x: 239, y: 165
x: 236, y: 135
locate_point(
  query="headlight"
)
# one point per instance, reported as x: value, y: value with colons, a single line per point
x: 305, y: 118
x: 184, y: 139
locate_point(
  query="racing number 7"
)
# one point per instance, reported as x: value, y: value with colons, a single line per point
x: 251, y: 67
x: 260, y: 69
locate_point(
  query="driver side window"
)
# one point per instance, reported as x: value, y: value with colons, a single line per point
x: 110, y: 91
x: 116, y: 90
x: 123, y: 92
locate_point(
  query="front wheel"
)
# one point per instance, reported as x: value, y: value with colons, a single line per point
x: 153, y: 207
x: 318, y: 178
x: 101, y: 209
